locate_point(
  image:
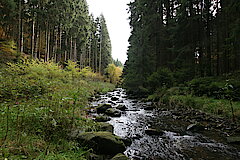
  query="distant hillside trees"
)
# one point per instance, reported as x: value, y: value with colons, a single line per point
x: 57, y: 30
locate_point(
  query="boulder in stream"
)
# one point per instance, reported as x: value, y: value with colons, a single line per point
x: 233, y: 140
x: 113, y: 112
x: 148, y: 108
x: 103, y: 107
x: 114, y: 98
x: 120, y: 156
x: 102, y: 118
x: 121, y: 107
x: 152, y: 131
x: 105, y: 127
x: 102, y: 142
x: 195, y: 127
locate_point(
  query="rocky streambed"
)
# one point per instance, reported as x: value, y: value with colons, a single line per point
x: 166, y: 133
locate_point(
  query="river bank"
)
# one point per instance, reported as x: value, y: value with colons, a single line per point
x: 169, y: 132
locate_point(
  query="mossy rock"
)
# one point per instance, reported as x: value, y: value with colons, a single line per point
x: 102, y: 142
x: 115, y: 98
x: 103, y: 107
x: 102, y: 118
x: 121, y: 107
x: 113, y: 112
x: 120, y: 156
x: 233, y: 139
x: 105, y: 127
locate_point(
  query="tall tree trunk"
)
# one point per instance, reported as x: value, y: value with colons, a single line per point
x: 71, y: 46
x: 36, y: 41
x: 89, y: 53
x: 96, y: 56
x: 75, y: 50
x: 20, y: 28
x: 40, y: 44
x: 100, y: 54
x: 46, y: 43
x: 33, y: 36
x: 60, y: 43
x: 55, y: 45
x: 217, y: 45
x: 208, y: 40
x: 65, y: 52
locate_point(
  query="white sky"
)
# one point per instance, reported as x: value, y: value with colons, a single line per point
x: 115, y: 13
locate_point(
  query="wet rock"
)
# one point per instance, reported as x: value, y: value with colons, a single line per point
x: 121, y: 107
x: 102, y: 108
x: 92, y: 99
x: 127, y: 141
x: 195, y: 127
x: 115, y: 98
x: 97, y: 96
x: 105, y: 127
x: 113, y: 112
x: 148, y: 108
x: 120, y: 156
x: 135, y: 101
x: 233, y: 139
x: 93, y: 156
x: 121, y: 101
x: 153, y: 131
x: 102, y: 118
x: 102, y: 142
x: 136, y: 136
x: 111, y: 102
x: 91, y: 111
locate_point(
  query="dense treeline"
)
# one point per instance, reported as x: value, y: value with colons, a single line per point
x: 57, y: 30
x: 189, y: 38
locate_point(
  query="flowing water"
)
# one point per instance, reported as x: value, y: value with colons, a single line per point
x: 175, y: 143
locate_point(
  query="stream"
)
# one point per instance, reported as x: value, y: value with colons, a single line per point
x: 174, y: 142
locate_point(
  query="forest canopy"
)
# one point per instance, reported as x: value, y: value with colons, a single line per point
x: 174, y: 41
x: 57, y: 30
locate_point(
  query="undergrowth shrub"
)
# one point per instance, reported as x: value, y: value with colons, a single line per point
x: 43, y: 100
x: 215, y: 88
x: 160, y: 79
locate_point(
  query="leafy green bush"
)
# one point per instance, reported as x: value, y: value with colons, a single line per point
x: 215, y: 87
x: 160, y: 79
x: 8, y: 52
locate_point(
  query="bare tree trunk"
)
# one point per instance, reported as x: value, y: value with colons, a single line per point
x: 89, y: 54
x: 100, y: 55
x: 60, y: 43
x: 33, y: 36
x: 20, y: 27
x: 81, y: 61
x: 96, y: 60
x: 40, y: 44
x: 55, y: 45
x: 36, y: 42
x: 65, y: 54
x: 71, y: 46
x: 46, y: 44
x: 75, y: 51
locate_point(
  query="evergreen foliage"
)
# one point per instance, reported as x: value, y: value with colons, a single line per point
x: 57, y: 30
x: 191, y: 38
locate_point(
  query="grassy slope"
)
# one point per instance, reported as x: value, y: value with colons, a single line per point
x: 211, y: 94
x: 39, y: 104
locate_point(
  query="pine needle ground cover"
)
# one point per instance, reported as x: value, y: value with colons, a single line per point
x: 40, y: 103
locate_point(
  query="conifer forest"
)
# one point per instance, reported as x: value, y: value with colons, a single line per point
x: 64, y: 97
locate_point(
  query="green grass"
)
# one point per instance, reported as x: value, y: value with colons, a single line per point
x: 39, y: 104
x: 181, y: 97
x: 210, y: 105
